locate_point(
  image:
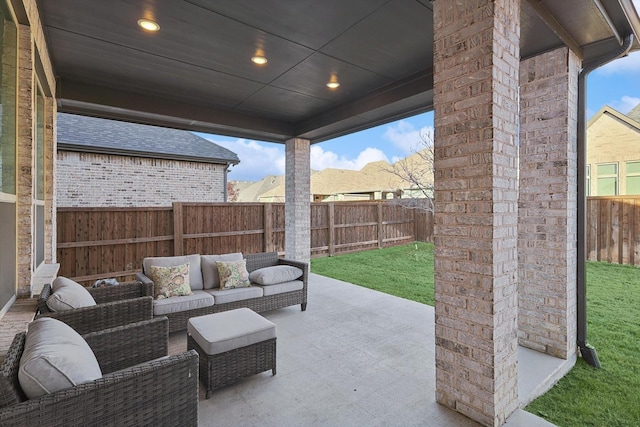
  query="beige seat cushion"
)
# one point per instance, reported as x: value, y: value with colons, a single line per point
x: 229, y: 330
x: 280, y: 288
x: 55, y: 357
x: 67, y: 294
x: 198, y: 299
x: 222, y: 296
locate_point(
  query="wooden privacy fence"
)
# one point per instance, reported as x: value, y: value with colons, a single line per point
x: 613, y: 229
x: 102, y: 242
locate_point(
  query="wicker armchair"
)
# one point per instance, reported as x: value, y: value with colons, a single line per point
x: 139, y: 386
x: 116, y: 306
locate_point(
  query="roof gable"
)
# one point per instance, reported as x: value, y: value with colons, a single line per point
x: 91, y: 134
x: 606, y: 110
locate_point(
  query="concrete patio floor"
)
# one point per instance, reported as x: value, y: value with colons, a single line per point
x: 356, y: 357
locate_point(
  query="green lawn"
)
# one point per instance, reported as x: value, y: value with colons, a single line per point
x: 609, y: 396
x: 405, y: 271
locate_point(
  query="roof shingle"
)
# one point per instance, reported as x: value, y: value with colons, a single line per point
x: 91, y: 134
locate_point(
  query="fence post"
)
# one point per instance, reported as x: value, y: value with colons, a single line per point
x: 380, y: 233
x: 332, y: 232
x: 268, y: 228
x: 178, y: 231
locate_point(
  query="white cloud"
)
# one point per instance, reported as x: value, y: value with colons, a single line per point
x: 405, y: 136
x: 257, y: 160
x: 628, y: 64
x: 626, y: 104
x: 321, y: 159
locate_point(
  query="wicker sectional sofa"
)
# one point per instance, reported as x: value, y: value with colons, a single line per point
x: 206, y: 298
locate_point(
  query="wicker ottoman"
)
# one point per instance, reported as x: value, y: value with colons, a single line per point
x: 232, y: 345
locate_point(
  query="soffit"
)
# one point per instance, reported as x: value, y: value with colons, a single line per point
x: 195, y: 72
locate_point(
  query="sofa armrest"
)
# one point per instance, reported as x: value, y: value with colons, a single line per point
x: 45, y: 293
x: 126, y: 290
x: 129, y: 345
x: 106, y: 294
x: 158, y: 392
x: 146, y: 282
x: 104, y: 316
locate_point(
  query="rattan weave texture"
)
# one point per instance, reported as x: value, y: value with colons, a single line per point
x: 157, y: 392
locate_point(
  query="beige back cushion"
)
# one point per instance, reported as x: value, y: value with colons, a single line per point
x: 67, y: 294
x: 210, y: 274
x: 195, y: 274
x: 55, y: 357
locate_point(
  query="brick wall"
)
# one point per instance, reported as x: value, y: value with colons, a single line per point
x: 24, y: 161
x: 87, y: 179
x: 476, y: 53
x: 547, y: 229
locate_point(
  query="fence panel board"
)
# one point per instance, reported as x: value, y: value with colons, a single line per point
x: 111, y: 242
x: 613, y: 229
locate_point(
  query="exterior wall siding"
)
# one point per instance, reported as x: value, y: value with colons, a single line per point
x: 121, y: 181
x: 548, y: 201
x: 609, y: 140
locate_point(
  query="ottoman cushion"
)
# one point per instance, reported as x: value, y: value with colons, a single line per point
x: 221, y: 332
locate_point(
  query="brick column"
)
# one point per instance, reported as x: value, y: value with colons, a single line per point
x: 297, y: 200
x: 24, y: 161
x: 547, y: 225
x: 476, y: 53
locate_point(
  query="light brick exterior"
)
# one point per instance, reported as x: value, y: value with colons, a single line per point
x: 298, y: 207
x: 122, y: 181
x: 476, y: 53
x: 547, y: 210
x: 25, y: 158
x: 612, y: 138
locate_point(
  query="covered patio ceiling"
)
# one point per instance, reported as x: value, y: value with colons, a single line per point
x: 196, y: 73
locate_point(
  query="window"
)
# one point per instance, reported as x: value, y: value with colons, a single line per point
x: 588, y: 178
x: 8, y: 75
x: 633, y: 177
x: 607, y: 179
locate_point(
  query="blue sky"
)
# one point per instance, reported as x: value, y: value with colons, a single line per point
x: 617, y: 85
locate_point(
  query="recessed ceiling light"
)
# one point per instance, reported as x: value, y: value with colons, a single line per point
x: 260, y: 60
x: 333, y: 82
x: 148, y: 25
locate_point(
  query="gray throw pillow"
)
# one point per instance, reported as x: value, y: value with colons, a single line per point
x: 275, y: 274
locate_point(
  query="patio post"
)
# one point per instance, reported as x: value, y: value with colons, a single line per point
x: 476, y: 79
x: 297, y: 199
x: 547, y: 224
x: 25, y: 160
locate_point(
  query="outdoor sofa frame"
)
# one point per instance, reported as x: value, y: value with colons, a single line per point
x: 178, y: 320
x: 140, y: 386
x: 116, y: 306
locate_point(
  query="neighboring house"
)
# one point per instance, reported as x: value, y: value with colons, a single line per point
x: 111, y: 163
x: 372, y: 182
x: 250, y: 191
x: 613, y: 153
